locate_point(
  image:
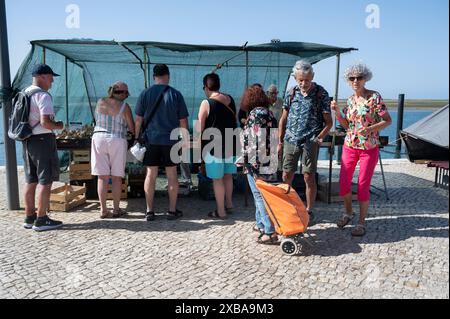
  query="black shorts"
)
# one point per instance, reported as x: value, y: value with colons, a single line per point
x: 158, y: 155
x: 40, y: 158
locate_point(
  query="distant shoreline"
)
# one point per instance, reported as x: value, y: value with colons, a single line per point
x: 413, y: 104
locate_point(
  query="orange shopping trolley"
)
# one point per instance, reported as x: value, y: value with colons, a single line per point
x: 287, y: 212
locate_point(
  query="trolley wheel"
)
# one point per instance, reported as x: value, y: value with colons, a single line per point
x: 289, y: 246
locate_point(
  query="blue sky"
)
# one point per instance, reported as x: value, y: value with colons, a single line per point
x: 408, y: 54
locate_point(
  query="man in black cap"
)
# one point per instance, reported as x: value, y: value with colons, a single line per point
x: 169, y: 112
x: 41, y: 163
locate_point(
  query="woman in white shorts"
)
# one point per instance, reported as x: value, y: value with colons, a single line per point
x: 109, y: 145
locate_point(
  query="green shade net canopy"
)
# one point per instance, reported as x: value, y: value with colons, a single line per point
x: 89, y: 67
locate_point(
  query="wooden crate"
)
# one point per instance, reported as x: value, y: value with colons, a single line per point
x: 79, y: 157
x: 123, y: 195
x: 322, y: 192
x: 66, y: 197
x: 80, y: 172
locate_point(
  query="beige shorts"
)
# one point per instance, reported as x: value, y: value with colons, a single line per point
x: 108, y: 156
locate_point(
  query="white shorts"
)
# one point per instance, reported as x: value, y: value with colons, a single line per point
x: 108, y: 156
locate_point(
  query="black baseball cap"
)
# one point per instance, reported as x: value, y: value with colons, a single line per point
x: 41, y: 69
x: 160, y: 70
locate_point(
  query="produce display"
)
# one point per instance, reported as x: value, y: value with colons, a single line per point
x: 84, y: 133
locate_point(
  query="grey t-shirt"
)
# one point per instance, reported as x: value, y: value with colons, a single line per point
x: 171, y: 110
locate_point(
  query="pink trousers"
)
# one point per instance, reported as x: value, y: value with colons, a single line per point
x: 368, y: 160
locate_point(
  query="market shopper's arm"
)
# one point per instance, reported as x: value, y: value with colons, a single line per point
x: 49, y: 123
x: 184, y: 125
x: 140, y: 113
x: 282, y: 130
x: 129, y: 119
x: 387, y: 120
x: 138, y: 125
x: 328, y: 125
x: 342, y: 120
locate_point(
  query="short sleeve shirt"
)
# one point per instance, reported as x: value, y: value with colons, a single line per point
x: 305, y: 119
x: 41, y: 103
x: 259, y: 124
x: 171, y: 110
x: 361, y: 113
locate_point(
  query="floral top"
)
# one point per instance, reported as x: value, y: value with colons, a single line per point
x: 361, y: 113
x: 258, y: 139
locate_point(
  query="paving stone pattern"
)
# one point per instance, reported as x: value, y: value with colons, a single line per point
x: 405, y: 253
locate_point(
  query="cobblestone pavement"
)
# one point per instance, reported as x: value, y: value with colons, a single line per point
x: 405, y: 253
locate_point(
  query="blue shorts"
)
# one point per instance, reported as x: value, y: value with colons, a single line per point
x: 216, y: 168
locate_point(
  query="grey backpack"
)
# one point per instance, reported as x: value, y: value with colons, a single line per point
x: 19, y: 127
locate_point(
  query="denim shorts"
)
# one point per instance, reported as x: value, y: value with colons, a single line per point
x: 216, y: 168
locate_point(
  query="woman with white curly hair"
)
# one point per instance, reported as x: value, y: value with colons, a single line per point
x: 364, y: 116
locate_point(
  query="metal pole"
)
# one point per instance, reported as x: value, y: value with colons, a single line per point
x: 333, y: 140
x: 401, y: 106
x: 12, y: 187
x: 67, y: 92
x: 336, y: 98
x: 44, y: 55
x: 145, y: 68
x: 338, y: 67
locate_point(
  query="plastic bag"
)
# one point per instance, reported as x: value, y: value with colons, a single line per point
x: 138, y: 151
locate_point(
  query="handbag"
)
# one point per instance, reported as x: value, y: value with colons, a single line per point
x: 139, y: 149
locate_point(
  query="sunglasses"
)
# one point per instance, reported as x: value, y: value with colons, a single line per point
x: 353, y: 78
x: 121, y: 92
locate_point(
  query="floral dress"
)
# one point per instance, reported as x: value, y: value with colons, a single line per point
x: 361, y: 113
x: 258, y: 137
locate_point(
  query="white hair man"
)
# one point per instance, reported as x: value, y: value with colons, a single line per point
x: 276, y: 103
x: 305, y: 122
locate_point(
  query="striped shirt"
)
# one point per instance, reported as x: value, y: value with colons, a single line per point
x: 110, y: 126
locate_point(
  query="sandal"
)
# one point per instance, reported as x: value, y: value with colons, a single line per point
x: 272, y: 239
x: 215, y: 214
x: 120, y: 213
x: 229, y: 211
x: 150, y: 216
x: 174, y: 215
x: 359, y: 230
x: 257, y: 229
x: 108, y: 215
x: 344, y: 220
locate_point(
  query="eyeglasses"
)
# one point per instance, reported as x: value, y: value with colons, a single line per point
x: 273, y: 93
x: 353, y: 78
x: 121, y: 92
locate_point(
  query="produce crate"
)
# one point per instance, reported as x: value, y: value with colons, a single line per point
x: 73, y: 144
x: 66, y: 197
x: 123, y: 195
x: 136, y: 180
x: 80, y: 172
x: 80, y: 157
